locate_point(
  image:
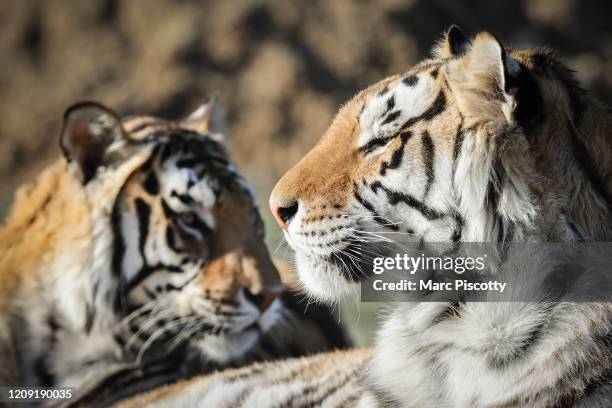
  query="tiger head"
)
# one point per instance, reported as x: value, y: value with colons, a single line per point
x: 477, y: 143
x: 178, y: 228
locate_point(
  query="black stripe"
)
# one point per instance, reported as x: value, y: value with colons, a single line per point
x: 188, y: 162
x: 171, y: 239
x: 40, y: 210
x: 149, y: 293
x: 147, y: 271
x: 142, y: 274
x: 290, y: 400
x: 167, y: 151
x: 494, y: 192
x: 185, y: 198
x: 458, y: 231
x: 170, y: 286
x: 374, y: 143
x: 428, y: 160
x: 336, y: 387
x: 143, y: 211
x: 168, y: 212
x: 155, y: 136
x: 396, y: 157
x: 118, y: 242
x: 144, y: 125
x: 435, y: 109
x: 151, y: 185
x: 196, y: 223
x: 411, y: 80
x: 458, y: 141
x: 309, y: 394
x: 502, y: 362
x: 453, y: 310
x: 53, y: 324
x: 382, y: 92
x: 46, y: 378
x: 390, y: 103
x: 396, y: 197
x: 349, y: 401
x: 383, y: 398
x: 90, y: 316
x: 391, y: 117
x: 368, y: 206
x: 237, y: 400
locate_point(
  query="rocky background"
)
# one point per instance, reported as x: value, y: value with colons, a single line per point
x: 281, y: 67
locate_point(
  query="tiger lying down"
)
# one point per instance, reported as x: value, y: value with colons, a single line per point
x: 476, y: 144
x: 139, y: 259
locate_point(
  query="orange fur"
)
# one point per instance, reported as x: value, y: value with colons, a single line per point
x: 311, y: 369
x: 48, y: 216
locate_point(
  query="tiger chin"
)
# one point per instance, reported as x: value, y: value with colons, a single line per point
x: 478, y: 143
x: 139, y: 256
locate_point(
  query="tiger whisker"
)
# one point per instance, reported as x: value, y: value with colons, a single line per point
x: 155, y: 335
x: 186, y: 333
x: 372, y: 217
x: 359, y: 232
x: 359, y: 252
x: 149, y: 305
x: 281, y: 243
x: 351, y: 259
x: 150, y: 323
x: 381, y: 239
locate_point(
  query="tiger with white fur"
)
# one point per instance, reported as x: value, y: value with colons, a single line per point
x: 138, y: 259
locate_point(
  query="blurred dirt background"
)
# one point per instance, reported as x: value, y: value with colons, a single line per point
x: 281, y: 68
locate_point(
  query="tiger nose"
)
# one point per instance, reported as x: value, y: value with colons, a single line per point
x: 262, y: 300
x: 283, y: 213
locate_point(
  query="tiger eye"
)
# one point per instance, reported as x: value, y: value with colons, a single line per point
x: 188, y: 217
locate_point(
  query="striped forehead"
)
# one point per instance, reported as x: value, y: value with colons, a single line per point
x: 193, y: 168
x: 184, y: 185
x: 387, y: 111
x: 143, y: 127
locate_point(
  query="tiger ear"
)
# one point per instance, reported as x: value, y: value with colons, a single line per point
x: 92, y: 137
x: 456, y: 41
x: 206, y: 118
x: 453, y: 44
x: 484, y: 80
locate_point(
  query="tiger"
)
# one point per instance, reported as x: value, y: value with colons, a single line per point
x: 477, y: 143
x: 138, y: 258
